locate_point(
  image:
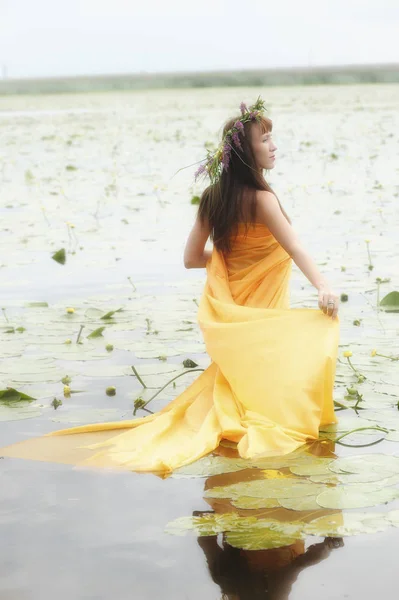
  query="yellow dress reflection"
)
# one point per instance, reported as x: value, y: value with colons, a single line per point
x: 252, y: 574
x: 268, y: 388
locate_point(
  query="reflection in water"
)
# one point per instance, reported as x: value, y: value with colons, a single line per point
x: 252, y: 574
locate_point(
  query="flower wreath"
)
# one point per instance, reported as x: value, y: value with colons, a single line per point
x: 218, y: 160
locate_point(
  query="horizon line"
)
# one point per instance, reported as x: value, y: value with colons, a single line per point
x: 306, y: 68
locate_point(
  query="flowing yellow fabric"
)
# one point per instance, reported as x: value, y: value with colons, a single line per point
x: 269, y: 386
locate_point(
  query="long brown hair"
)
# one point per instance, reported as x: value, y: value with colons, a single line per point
x: 222, y: 204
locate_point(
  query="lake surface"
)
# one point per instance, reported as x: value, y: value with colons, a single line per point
x: 96, y: 175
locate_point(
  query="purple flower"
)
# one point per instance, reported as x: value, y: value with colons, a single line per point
x: 240, y: 126
x: 225, y: 162
x: 227, y: 148
x: 243, y: 108
x: 226, y: 156
x: 199, y: 171
x: 253, y: 114
x: 236, y: 140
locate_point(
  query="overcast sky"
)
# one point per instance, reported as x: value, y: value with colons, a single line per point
x: 40, y: 38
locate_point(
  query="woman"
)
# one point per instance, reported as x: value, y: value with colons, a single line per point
x: 270, y: 382
x: 242, y: 196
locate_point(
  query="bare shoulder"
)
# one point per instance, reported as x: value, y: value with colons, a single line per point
x: 269, y: 213
x: 266, y: 205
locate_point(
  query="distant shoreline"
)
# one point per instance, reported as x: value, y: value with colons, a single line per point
x: 330, y: 75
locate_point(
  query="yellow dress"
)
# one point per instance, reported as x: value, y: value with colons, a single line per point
x: 268, y: 388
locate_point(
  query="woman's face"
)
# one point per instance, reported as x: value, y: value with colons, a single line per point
x: 263, y: 147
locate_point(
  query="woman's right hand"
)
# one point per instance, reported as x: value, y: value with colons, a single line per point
x: 326, y: 296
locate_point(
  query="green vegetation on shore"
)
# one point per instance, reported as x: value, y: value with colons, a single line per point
x: 354, y: 74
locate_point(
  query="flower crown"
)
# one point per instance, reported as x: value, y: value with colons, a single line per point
x: 218, y: 160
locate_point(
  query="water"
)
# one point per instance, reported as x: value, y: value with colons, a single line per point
x: 89, y: 534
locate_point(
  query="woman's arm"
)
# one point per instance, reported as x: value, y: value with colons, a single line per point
x: 269, y: 212
x: 305, y: 262
x: 201, y: 261
x: 194, y: 254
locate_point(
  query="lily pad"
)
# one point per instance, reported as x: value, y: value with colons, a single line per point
x: 340, y: 524
x: 302, y: 503
x: 318, y: 466
x: 351, y: 497
x: 393, y: 517
x: 37, y: 304
x: 97, y: 313
x: 88, y: 415
x: 290, y: 487
x: 346, y: 424
x: 111, y: 313
x: 209, y: 523
x: 361, y: 463
x: 248, y: 503
x: 13, y: 396
x: 59, y: 256
x: 260, y: 538
x: 347, y: 478
x: 15, y: 411
x: 390, y: 302
x: 211, y: 465
x: 96, y: 333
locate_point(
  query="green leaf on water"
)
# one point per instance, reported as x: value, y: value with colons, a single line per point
x: 214, y: 464
x: 365, y: 463
x: 251, y: 533
x: 318, y: 466
x: 393, y: 517
x: 59, y: 256
x: 260, y: 537
x: 345, y: 424
x: 211, y: 465
x: 88, y: 415
x: 10, y: 395
x: 208, y: 523
x: 248, y: 533
x: 111, y: 313
x: 37, y: 304
x: 351, y: 497
x: 248, y: 503
x: 96, y: 333
x: 303, y: 503
x: 390, y: 302
x: 289, y: 487
x: 340, y: 524
x: 347, y: 478
x: 189, y: 364
x: 15, y: 411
